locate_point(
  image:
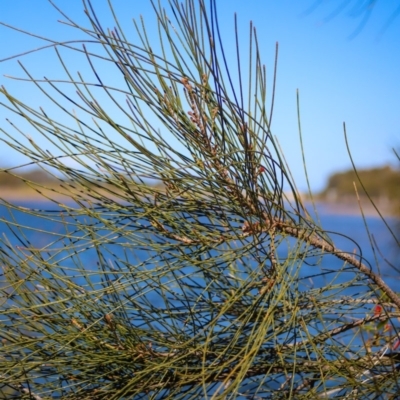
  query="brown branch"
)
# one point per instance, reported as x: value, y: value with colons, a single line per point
x: 340, y: 329
x: 322, y: 244
x: 176, y: 379
x: 271, y: 224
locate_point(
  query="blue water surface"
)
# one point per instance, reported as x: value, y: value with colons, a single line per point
x: 51, y: 233
x: 350, y: 233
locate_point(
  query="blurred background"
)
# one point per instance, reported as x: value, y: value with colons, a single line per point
x: 342, y: 56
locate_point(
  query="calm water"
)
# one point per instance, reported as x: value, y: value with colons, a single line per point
x: 350, y: 226
x: 347, y: 226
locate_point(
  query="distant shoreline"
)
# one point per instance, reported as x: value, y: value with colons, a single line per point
x: 351, y: 208
x: 24, y: 194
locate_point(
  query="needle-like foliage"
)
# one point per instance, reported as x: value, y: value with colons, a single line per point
x: 182, y: 268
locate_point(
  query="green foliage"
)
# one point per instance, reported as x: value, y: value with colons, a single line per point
x: 214, y: 286
x: 378, y: 186
x: 379, y: 182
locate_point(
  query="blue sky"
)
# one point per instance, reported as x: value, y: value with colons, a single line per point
x: 341, y: 79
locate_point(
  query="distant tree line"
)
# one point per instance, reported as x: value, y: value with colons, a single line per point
x: 10, y: 180
x: 379, y: 183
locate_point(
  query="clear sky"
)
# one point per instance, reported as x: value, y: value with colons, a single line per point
x: 343, y: 74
